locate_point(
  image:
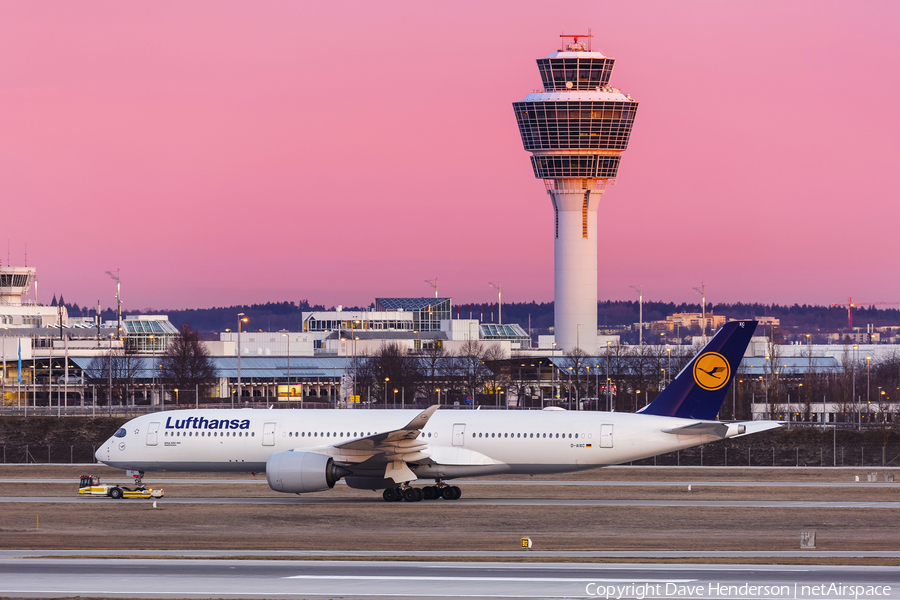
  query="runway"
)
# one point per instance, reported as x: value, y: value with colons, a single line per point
x: 455, y: 554
x: 376, y: 499
x: 152, y: 481
x: 60, y: 577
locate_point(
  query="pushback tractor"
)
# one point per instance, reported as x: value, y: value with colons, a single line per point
x: 90, y: 485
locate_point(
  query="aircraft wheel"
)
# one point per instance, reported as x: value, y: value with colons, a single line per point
x: 457, y: 493
x: 389, y: 495
x: 429, y: 492
x: 447, y: 493
x: 412, y: 494
x: 115, y: 493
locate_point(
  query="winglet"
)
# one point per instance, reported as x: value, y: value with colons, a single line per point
x: 421, y: 419
x: 699, y: 390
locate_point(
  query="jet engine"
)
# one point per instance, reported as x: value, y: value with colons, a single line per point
x: 297, y: 472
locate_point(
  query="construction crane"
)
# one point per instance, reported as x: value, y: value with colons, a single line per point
x: 850, y: 304
x: 496, y: 286
x: 433, y: 283
x: 115, y: 277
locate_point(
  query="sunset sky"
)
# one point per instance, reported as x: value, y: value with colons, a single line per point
x: 237, y: 152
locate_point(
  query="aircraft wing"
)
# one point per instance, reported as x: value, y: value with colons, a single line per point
x: 389, y: 450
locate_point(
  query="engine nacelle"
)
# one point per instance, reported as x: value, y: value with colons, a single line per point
x: 298, y: 472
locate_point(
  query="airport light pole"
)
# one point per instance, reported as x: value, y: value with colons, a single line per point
x: 241, y: 319
x: 608, y: 397
x: 868, y: 384
x: 287, y: 335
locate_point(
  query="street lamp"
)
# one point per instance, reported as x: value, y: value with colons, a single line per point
x: 176, y: 396
x: 386, y: 381
x: 608, y: 396
x: 669, y: 370
x: 241, y: 319
x: 868, y: 382
x: 288, y: 364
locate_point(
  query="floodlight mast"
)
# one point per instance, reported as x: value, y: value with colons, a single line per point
x: 433, y: 283
x: 496, y: 286
x: 115, y: 277
x: 576, y: 130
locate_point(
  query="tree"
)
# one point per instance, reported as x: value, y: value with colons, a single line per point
x: 118, y: 368
x: 393, y: 369
x: 186, y: 363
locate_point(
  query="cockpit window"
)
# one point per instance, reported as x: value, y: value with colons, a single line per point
x: 121, y: 433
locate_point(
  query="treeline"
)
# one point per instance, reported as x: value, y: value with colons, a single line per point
x: 273, y: 316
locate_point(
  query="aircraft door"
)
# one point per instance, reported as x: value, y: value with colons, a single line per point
x: 152, y: 434
x: 268, y: 434
x: 606, y: 435
x: 459, y: 434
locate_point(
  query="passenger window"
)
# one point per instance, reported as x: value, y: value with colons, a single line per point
x: 290, y: 434
x: 505, y: 435
x: 253, y: 434
x: 576, y: 436
x: 302, y: 434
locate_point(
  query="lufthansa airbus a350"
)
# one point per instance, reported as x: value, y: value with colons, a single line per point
x: 309, y: 450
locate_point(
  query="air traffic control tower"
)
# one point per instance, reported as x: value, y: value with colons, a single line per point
x: 576, y: 131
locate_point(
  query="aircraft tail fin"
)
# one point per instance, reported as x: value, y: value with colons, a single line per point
x: 699, y: 390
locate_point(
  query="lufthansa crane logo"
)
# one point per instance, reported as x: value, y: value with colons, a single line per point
x: 711, y: 371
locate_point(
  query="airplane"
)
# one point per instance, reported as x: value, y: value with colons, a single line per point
x: 310, y: 450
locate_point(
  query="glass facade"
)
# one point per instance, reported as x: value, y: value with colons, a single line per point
x: 589, y: 125
x: 427, y: 313
x: 579, y: 166
x: 582, y: 73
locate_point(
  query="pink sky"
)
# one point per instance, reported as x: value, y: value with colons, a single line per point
x: 224, y: 152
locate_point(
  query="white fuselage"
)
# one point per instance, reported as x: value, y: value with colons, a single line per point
x: 461, y: 443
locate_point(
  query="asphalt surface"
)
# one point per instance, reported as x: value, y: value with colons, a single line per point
x: 472, y: 502
x: 161, y: 578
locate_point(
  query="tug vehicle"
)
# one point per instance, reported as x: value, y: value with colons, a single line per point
x: 91, y: 486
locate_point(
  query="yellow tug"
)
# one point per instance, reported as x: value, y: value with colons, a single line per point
x: 90, y: 485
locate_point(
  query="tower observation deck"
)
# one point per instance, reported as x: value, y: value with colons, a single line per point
x: 576, y: 131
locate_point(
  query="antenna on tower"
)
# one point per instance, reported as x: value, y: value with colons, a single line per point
x: 433, y: 283
x: 496, y: 286
x: 115, y: 277
x: 702, y: 291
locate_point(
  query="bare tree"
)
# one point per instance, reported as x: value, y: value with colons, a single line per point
x: 431, y: 362
x: 118, y: 368
x: 186, y: 363
x: 393, y: 369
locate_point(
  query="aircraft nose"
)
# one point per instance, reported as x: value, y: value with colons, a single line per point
x: 102, y: 453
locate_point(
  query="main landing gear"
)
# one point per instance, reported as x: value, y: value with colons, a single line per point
x: 429, y: 492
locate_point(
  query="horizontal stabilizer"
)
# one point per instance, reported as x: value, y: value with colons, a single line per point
x: 758, y: 426
x: 716, y: 428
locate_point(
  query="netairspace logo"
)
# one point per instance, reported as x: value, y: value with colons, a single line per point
x: 639, y: 591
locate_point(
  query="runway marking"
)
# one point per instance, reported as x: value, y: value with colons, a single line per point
x: 461, y: 578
